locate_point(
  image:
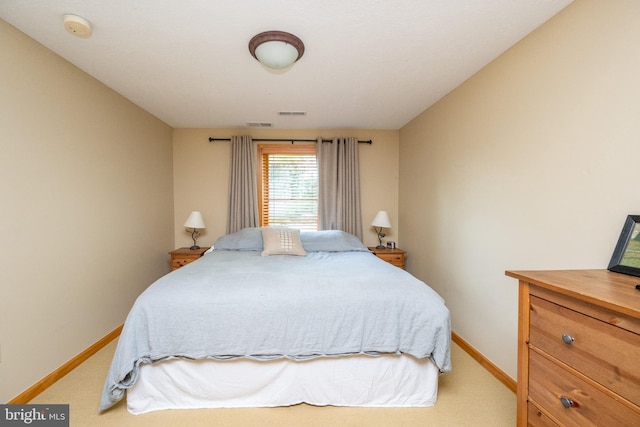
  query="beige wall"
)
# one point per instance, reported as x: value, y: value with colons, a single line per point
x: 87, y: 209
x: 201, y: 176
x: 531, y: 164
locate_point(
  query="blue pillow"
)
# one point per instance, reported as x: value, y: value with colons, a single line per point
x: 247, y: 239
x: 331, y: 241
x: 250, y: 239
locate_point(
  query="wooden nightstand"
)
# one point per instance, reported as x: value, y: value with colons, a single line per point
x: 392, y: 256
x: 184, y: 256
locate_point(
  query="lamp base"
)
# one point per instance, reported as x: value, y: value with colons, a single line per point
x: 194, y: 247
x: 381, y: 247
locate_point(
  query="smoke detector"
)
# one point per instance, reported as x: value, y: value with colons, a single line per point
x: 77, y: 25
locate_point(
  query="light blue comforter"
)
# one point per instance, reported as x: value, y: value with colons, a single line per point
x: 231, y: 304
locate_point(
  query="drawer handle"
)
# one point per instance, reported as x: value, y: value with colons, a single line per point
x: 567, y: 403
x: 567, y: 339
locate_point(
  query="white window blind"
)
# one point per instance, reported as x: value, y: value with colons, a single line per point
x: 289, y: 186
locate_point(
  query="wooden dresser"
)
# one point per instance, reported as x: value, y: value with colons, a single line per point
x: 578, y: 348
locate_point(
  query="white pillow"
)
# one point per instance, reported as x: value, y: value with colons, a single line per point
x: 281, y: 241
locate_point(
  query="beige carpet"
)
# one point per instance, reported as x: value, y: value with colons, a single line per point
x: 467, y: 396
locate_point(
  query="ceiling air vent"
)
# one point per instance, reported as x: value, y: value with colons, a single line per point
x: 259, y: 125
x: 292, y: 113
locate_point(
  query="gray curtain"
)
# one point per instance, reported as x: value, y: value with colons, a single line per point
x: 243, y: 191
x: 339, y: 186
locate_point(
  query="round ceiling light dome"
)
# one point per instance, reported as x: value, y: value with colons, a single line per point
x: 276, y: 49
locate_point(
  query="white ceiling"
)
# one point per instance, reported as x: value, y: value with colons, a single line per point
x: 367, y: 64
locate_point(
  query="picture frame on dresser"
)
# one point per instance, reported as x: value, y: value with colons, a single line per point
x: 626, y: 255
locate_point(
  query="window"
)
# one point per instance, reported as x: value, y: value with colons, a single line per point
x: 288, y: 185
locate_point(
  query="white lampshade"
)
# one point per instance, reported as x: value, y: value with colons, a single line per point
x: 381, y: 220
x: 195, y: 220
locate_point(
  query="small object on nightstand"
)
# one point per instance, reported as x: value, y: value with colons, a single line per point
x: 392, y: 256
x: 183, y: 256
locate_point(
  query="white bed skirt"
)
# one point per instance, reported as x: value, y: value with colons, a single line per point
x: 382, y: 381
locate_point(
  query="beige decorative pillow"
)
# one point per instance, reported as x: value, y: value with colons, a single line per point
x: 281, y: 241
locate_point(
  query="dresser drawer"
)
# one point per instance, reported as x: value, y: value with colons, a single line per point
x: 392, y: 256
x: 180, y: 262
x: 603, y: 352
x: 549, y: 383
x: 183, y: 256
x: 537, y: 419
x: 395, y: 259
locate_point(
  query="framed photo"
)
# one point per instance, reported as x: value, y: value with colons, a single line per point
x: 626, y: 255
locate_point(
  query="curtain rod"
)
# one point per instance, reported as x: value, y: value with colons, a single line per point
x: 292, y: 140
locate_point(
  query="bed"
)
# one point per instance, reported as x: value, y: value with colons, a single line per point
x: 276, y: 317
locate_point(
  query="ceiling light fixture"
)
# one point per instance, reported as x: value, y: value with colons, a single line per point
x: 77, y: 25
x: 276, y: 49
